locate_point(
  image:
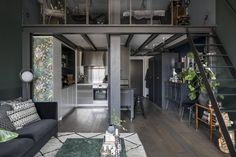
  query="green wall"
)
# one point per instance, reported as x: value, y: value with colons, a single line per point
x: 10, y: 49
x: 226, y: 27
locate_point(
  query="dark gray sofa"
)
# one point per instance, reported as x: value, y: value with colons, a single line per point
x: 33, y: 136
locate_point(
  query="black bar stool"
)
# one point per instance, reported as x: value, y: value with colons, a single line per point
x: 139, y: 104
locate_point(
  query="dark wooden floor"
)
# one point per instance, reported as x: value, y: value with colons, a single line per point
x: 162, y: 134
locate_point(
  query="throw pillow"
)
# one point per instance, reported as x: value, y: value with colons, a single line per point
x: 5, y: 122
x: 9, y: 101
x: 16, y: 105
x: 7, y: 135
x: 23, y: 114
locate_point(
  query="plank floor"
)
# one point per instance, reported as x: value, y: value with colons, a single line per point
x: 162, y: 133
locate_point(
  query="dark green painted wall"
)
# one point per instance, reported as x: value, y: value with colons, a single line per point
x: 10, y: 49
x: 226, y: 27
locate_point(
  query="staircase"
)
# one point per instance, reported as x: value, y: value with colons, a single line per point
x: 212, y: 51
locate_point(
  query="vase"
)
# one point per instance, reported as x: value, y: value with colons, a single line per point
x: 203, y: 98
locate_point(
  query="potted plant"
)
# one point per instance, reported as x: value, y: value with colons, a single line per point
x: 193, y: 79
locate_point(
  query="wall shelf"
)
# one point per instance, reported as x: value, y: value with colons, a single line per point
x: 68, y: 66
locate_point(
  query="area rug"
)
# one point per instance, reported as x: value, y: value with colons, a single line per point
x: 75, y: 147
x: 133, y: 145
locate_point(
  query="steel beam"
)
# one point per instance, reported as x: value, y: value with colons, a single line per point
x: 113, y: 29
x: 145, y: 43
x: 91, y: 50
x: 185, y: 41
x: 89, y: 41
x: 108, y: 41
x: 114, y: 77
x: 26, y: 62
x: 169, y: 40
x: 130, y: 37
x: 66, y: 41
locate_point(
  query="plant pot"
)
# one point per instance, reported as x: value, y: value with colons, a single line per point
x: 203, y: 98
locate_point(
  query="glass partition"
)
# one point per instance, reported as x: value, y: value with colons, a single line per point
x: 141, y: 11
x: 160, y: 13
x: 98, y: 11
x: 95, y: 11
x: 31, y: 12
x: 76, y: 12
x: 125, y: 11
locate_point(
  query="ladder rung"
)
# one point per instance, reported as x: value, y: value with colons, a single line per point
x: 202, y: 35
x: 225, y: 80
x: 227, y: 94
x: 213, y: 55
x: 225, y: 109
x: 221, y: 66
x: 208, y: 44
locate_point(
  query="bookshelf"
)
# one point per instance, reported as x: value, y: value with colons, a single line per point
x: 68, y: 66
x: 207, y: 118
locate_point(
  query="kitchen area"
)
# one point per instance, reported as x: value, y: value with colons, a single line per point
x: 91, y: 73
x: 83, y: 78
x: 92, y: 79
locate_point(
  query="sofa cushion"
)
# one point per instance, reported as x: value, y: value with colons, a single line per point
x: 16, y: 147
x: 37, y: 130
x: 5, y: 122
x: 24, y: 113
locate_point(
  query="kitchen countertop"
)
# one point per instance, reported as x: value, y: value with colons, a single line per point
x: 83, y: 84
x: 126, y: 88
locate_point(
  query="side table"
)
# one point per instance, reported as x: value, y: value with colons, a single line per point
x: 210, y: 123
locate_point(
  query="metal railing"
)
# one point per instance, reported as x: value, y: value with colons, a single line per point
x: 230, y: 6
x: 212, y: 97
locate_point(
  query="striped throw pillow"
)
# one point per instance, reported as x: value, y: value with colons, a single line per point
x: 24, y: 113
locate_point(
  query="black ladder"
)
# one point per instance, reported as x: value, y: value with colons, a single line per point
x: 212, y: 51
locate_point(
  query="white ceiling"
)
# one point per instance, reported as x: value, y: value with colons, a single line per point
x: 99, y: 40
x: 158, y: 40
x: 138, y: 40
x: 78, y: 40
x: 178, y: 40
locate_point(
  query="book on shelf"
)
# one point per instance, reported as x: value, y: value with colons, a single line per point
x: 206, y: 118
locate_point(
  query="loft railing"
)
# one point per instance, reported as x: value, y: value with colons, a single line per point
x: 89, y: 12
